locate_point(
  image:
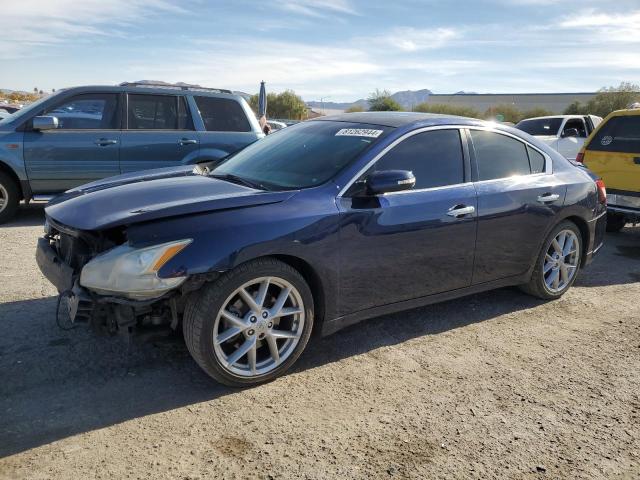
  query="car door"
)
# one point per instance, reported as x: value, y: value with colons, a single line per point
x: 570, y: 144
x: 159, y: 133
x: 404, y: 245
x: 226, y: 124
x: 84, y: 147
x: 518, y: 198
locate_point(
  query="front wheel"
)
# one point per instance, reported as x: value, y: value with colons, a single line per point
x: 557, y: 264
x: 251, y: 324
x: 9, y: 197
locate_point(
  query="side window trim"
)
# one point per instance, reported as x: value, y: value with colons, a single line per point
x: 547, y: 159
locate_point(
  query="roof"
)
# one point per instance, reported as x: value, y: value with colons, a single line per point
x: 554, y: 116
x: 396, y: 119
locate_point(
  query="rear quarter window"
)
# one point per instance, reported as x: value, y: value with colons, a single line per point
x: 619, y: 134
x: 222, y: 115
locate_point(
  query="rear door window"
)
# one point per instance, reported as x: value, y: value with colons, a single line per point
x: 222, y: 115
x: 499, y: 156
x: 89, y: 111
x: 158, y: 112
x: 619, y: 134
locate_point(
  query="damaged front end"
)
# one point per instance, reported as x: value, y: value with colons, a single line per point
x: 111, y: 285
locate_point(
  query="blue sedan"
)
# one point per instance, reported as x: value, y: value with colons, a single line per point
x: 319, y: 226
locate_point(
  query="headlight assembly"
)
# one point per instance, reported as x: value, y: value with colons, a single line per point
x: 132, y: 272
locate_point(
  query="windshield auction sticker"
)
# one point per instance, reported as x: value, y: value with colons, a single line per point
x: 358, y: 132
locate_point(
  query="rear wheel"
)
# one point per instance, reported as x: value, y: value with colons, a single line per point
x: 615, y: 222
x: 250, y: 325
x: 9, y: 197
x: 557, y: 264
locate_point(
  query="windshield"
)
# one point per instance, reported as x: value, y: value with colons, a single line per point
x: 302, y: 156
x: 540, y: 126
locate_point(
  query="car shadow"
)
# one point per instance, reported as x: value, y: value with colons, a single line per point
x: 27, y: 216
x: 618, y: 262
x: 58, y: 383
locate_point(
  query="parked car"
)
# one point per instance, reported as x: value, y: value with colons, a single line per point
x: 84, y: 134
x: 564, y: 133
x: 323, y: 225
x: 613, y: 153
x: 10, y: 108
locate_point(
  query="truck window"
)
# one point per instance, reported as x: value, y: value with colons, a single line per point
x: 222, y: 115
x: 158, y: 112
x: 88, y: 111
x: 540, y: 126
x: 619, y: 134
x: 578, y: 124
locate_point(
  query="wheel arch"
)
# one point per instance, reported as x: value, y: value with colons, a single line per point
x: 4, y: 168
x: 583, y: 226
x: 314, y: 281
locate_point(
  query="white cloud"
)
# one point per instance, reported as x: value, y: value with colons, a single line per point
x: 29, y: 25
x: 599, y: 27
x: 316, y: 8
x: 410, y: 39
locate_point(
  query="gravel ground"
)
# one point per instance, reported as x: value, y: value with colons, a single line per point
x: 496, y: 385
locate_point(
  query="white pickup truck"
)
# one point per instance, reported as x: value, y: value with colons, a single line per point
x: 564, y: 133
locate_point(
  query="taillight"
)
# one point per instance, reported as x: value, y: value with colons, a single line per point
x: 580, y: 157
x: 602, y: 191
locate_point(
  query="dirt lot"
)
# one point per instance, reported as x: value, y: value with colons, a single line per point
x: 497, y: 385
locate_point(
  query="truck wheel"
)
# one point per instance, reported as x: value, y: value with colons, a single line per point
x: 615, y: 222
x: 251, y: 324
x: 9, y: 197
x: 557, y: 264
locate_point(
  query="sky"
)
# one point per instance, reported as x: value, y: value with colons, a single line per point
x: 339, y: 50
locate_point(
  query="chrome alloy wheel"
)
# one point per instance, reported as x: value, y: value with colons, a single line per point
x: 258, y: 326
x: 4, y: 198
x: 561, y: 261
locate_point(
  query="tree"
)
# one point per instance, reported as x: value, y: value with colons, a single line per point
x: 285, y: 105
x: 381, y: 101
x: 503, y: 113
x: 613, y: 98
x: 354, y: 109
x: 447, y: 109
x: 575, y: 108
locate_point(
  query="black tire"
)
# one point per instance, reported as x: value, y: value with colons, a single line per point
x: 615, y: 222
x: 8, y: 189
x: 202, y: 310
x: 537, y: 286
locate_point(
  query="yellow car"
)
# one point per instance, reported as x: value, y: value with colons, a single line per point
x: 612, y: 152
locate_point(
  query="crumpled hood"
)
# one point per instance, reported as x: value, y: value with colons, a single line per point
x: 134, y: 198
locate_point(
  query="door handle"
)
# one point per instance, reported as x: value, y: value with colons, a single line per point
x: 460, y: 210
x: 187, y: 141
x: 636, y: 160
x: 103, y: 142
x: 548, y: 198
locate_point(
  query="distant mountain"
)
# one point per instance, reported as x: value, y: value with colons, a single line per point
x: 406, y: 98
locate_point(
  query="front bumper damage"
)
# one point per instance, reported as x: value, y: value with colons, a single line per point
x: 105, y: 314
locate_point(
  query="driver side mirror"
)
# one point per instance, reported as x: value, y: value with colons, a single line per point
x: 570, y: 132
x: 45, y: 123
x: 388, y: 181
